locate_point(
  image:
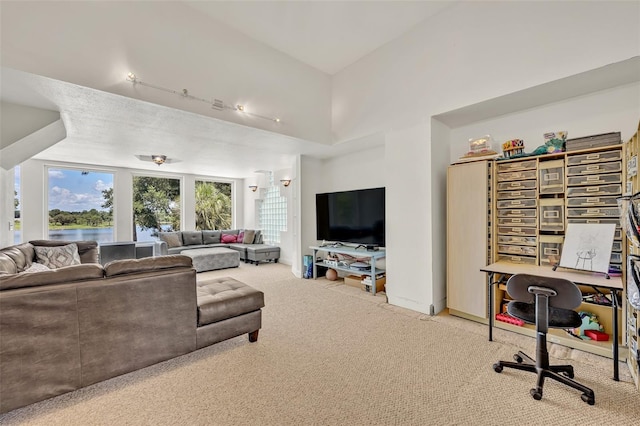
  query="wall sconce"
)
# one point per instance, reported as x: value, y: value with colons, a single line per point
x: 285, y: 182
x: 158, y: 159
x: 253, y: 188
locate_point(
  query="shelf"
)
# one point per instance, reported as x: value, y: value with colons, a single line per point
x: 353, y: 271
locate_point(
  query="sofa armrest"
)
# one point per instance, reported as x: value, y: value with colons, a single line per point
x: 146, y: 264
x: 163, y: 248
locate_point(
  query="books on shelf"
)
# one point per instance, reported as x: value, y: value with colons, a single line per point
x: 367, y: 278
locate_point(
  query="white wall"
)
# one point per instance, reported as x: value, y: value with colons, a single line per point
x: 168, y: 44
x: 614, y: 110
x: 467, y: 54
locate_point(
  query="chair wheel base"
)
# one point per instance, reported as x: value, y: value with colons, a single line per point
x: 537, y: 395
x: 589, y: 399
x: 497, y: 368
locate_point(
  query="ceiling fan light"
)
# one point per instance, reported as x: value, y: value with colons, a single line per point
x: 158, y: 159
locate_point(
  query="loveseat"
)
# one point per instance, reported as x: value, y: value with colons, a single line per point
x: 247, y: 242
x: 69, y: 327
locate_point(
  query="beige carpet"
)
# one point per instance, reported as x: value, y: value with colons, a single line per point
x: 333, y: 355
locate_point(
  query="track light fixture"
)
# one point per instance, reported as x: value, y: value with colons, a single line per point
x: 216, y: 104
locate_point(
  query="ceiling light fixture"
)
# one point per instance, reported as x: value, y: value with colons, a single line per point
x: 285, y: 182
x: 254, y: 188
x: 216, y: 104
x: 158, y: 159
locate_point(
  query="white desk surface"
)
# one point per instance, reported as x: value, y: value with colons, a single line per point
x: 578, y: 277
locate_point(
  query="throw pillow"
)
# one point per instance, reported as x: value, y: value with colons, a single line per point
x: 172, y: 239
x: 240, y: 237
x: 36, y: 267
x: 258, y: 237
x: 58, y: 257
x: 249, y: 235
x: 227, y: 238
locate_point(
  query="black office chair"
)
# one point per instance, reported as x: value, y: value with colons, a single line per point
x: 545, y: 302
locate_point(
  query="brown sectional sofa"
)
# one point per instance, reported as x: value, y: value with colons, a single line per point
x: 67, y: 328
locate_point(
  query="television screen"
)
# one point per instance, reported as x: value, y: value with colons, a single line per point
x: 351, y: 216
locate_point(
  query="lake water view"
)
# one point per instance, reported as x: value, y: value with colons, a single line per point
x: 100, y: 235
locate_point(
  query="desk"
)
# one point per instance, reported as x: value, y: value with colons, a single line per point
x: 613, y: 284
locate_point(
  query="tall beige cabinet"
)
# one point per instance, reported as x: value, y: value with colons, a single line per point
x: 468, y: 237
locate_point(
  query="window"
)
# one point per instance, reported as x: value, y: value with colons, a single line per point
x: 80, y: 204
x: 272, y: 214
x: 213, y: 205
x: 156, y: 206
x: 17, y: 228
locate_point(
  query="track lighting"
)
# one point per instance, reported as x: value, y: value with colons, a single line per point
x: 216, y: 104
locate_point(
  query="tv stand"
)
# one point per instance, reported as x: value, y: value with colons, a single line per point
x: 372, y: 255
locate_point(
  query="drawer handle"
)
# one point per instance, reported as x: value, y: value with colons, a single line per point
x: 551, y: 215
x: 551, y: 251
x: 551, y: 176
x: 594, y: 167
x: 592, y: 156
x: 592, y: 189
x: 593, y: 178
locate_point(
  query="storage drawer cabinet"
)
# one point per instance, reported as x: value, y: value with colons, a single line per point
x: 592, y: 201
x: 517, y: 213
x: 517, y: 250
x: 521, y: 175
x: 517, y: 259
x: 517, y: 231
x: 595, y: 212
x: 596, y: 168
x: 518, y: 204
x: 518, y: 185
x: 523, y: 241
x: 594, y: 179
x: 508, y: 195
x: 595, y: 191
x: 552, y: 177
x: 517, y: 221
x: 594, y: 157
x: 517, y: 166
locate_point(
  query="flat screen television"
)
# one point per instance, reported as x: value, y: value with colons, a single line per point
x: 351, y: 216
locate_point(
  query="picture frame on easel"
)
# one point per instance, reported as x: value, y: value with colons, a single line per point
x: 587, y: 247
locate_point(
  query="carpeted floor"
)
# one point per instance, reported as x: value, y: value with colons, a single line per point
x: 329, y: 354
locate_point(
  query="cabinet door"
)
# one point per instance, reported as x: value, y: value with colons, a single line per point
x: 467, y: 237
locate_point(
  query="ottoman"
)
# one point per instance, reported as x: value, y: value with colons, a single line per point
x: 227, y: 308
x: 258, y: 252
x: 209, y: 259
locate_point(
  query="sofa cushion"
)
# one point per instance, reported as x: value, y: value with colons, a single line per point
x: 88, y: 250
x: 211, y: 237
x: 173, y: 239
x: 224, y: 298
x: 21, y: 254
x: 36, y: 267
x: 132, y: 266
x: 7, y: 265
x: 66, y: 274
x: 228, y: 238
x: 258, y: 238
x: 249, y: 235
x: 58, y: 257
x: 192, y: 238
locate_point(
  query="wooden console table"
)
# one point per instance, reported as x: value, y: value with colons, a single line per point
x: 594, y: 280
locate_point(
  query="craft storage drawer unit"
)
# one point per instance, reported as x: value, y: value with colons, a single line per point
x: 517, y: 213
x: 517, y: 221
x: 594, y: 157
x: 594, y: 179
x: 517, y: 259
x: 611, y: 212
x: 509, y: 195
x: 512, y: 239
x: 517, y: 231
x: 616, y: 258
x: 616, y: 236
x: 517, y: 250
x: 518, y: 204
x: 521, y: 175
x: 617, y: 246
x: 517, y: 185
x: 594, y: 169
x: 514, y: 166
x: 551, y: 177
x: 592, y: 202
x: 595, y: 191
x: 552, y: 214
x: 550, y: 249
